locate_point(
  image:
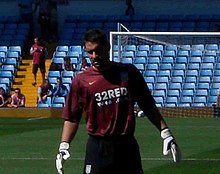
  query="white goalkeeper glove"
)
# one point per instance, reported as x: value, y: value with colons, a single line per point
x: 62, y: 156
x: 169, y: 144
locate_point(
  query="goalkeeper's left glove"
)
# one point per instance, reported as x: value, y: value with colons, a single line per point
x: 62, y: 156
x: 169, y: 144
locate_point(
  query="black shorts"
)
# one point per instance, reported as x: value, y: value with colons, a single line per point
x: 112, y: 156
x: 36, y: 66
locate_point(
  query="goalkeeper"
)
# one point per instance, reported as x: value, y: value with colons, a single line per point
x: 107, y: 91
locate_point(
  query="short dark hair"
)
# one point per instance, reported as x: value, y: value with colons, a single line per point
x: 95, y: 35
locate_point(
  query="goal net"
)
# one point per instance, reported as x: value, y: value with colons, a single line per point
x: 182, y: 69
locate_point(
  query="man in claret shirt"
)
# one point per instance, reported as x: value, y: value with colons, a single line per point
x: 107, y: 92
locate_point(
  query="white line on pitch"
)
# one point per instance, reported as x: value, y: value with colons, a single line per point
x: 143, y: 159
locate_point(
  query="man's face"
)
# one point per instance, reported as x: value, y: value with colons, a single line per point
x: 98, y: 54
x: 36, y: 41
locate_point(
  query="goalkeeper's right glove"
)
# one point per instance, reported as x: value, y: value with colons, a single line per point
x: 62, y: 156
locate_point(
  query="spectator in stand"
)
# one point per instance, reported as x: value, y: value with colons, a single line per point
x: 39, y: 53
x: 68, y: 66
x: 17, y: 99
x: 44, y: 91
x: 85, y: 64
x: 60, y: 90
x: 4, y: 98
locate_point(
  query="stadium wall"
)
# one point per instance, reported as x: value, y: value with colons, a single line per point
x: 201, y: 112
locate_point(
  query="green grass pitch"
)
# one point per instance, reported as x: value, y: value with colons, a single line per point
x: 29, y: 146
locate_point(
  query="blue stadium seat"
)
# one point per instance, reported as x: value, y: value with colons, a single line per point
x: 52, y: 80
x: 200, y: 99
x: 179, y: 66
x: 187, y: 92
x: 201, y: 92
x: 185, y: 47
x: 67, y: 80
x: 143, y: 48
x: 187, y: 86
x: 153, y: 60
x: 139, y: 66
x: 191, y: 79
x: 6, y: 80
x: 165, y: 66
x: 130, y: 48
x: 169, y: 53
x: 157, y: 48
x: 208, y: 59
x: 181, y: 59
x: 12, y: 61
x: 58, y: 60
x: 128, y: 54
x: 206, y: 72
x: 204, y: 79
x: 164, y: 73
x: 195, y: 60
x: 59, y: 54
x: 173, y: 93
x: 159, y: 101
x: 42, y: 105
x: 73, y: 54
x: 171, y: 48
x: 169, y: 60
x: 150, y: 73
x: 216, y: 79
x: 142, y: 54
x: 215, y: 85
x: 193, y: 66
x: 63, y: 48
x: 177, y: 72
x: 155, y: 54
x: 203, y: 85
x: 15, y: 49
x: 161, y: 86
x: 177, y: 79
x: 53, y: 73
x: 207, y: 66
x: 141, y: 60
x: 9, y: 68
x: 186, y: 99
x: 211, y: 47
x: 162, y: 79
x: 149, y: 79
x: 175, y: 86
x: 127, y: 60
x: 192, y: 72
x: 56, y: 105
x: 213, y: 91
x: 13, y: 54
x: 196, y: 53
x: 198, y: 47
x: 173, y: 100
x: 152, y: 66
x: 159, y: 93
x: 183, y: 53
x: 59, y: 100
x: 210, y: 53
x: 75, y: 48
x: 7, y: 74
x: 67, y: 74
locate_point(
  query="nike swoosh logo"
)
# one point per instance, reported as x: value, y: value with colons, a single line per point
x: 90, y: 83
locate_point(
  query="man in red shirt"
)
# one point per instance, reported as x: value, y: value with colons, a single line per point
x: 107, y: 92
x: 39, y: 52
